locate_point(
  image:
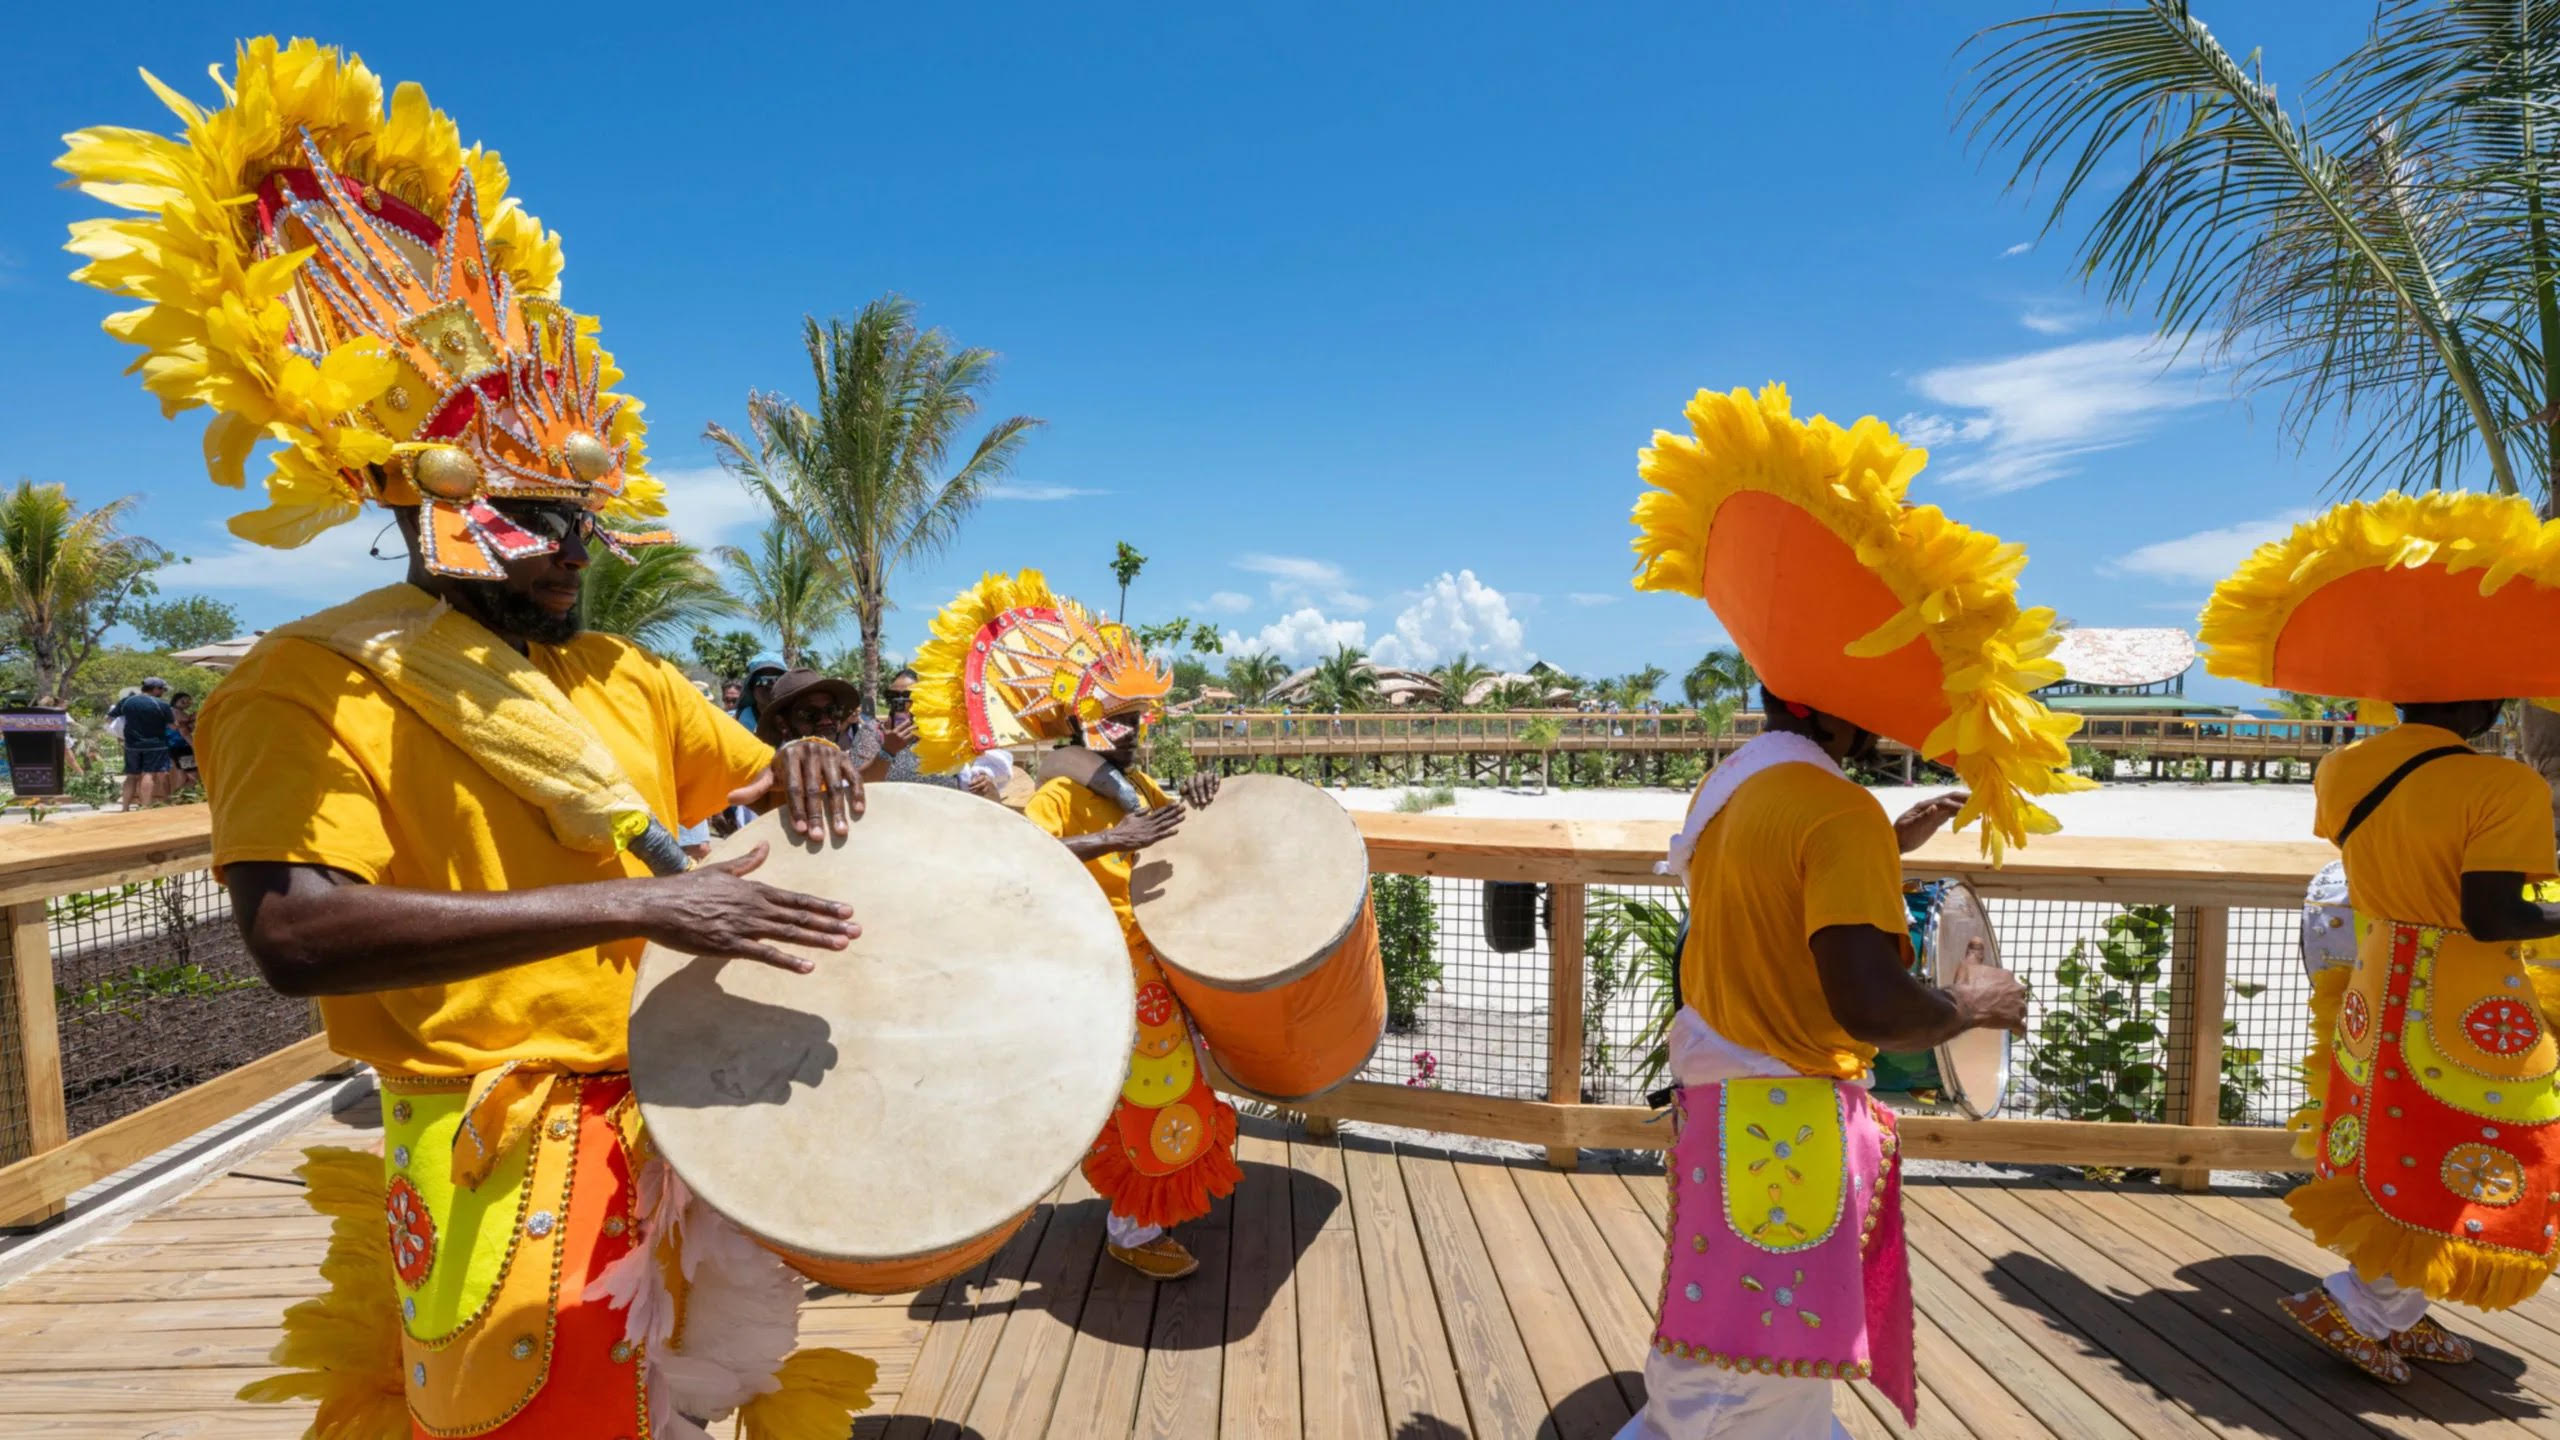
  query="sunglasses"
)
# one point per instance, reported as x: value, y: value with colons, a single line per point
x: 901, y: 700
x: 555, y: 523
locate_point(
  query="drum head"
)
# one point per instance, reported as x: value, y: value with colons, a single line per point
x: 926, y: 1083
x: 1973, y: 1067
x: 1256, y: 890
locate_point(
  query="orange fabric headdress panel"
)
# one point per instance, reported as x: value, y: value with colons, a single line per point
x: 1011, y: 663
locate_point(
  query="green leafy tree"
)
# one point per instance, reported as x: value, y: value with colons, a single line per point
x: 67, y: 577
x: 787, y: 587
x: 183, y: 623
x: 1634, y: 692
x: 1526, y: 693
x: 1722, y: 674
x: 660, y: 595
x: 1345, y: 680
x: 1253, y: 675
x: 1408, y: 943
x: 864, y: 475
x: 726, y: 654
x: 1458, y: 679
x: 1125, y: 565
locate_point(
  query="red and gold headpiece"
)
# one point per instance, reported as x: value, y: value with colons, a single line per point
x: 356, y: 286
x: 1012, y: 664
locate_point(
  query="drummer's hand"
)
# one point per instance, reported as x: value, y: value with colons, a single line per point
x: 821, y: 787
x: 715, y: 910
x: 1147, y: 827
x: 1989, y: 997
x: 1926, y: 818
x: 984, y: 786
x: 1199, y: 790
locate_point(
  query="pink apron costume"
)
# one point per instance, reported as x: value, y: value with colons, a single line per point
x: 1786, y: 1251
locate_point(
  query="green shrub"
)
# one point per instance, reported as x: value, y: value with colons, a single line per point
x: 1408, y: 943
x: 2102, y: 1049
x: 1629, y: 938
x: 1416, y: 802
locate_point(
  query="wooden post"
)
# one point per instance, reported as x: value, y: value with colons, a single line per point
x: 1564, y: 1011
x: 2197, y: 1007
x: 31, y: 1113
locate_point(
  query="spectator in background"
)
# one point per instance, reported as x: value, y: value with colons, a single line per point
x: 145, y: 721
x: 732, y: 695
x: 890, y: 745
x: 762, y: 672
x: 182, y: 742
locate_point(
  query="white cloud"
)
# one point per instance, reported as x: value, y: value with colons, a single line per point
x: 1228, y: 602
x: 333, y: 566
x: 1297, y: 580
x: 1931, y: 431
x: 2045, y: 321
x: 1300, y: 636
x: 1455, y: 614
x: 2032, y: 415
x: 709, y: 506
x: 2021, y: 248
x: 1040, y: 492
x: 1586, y: 598
x: 2207, y: 555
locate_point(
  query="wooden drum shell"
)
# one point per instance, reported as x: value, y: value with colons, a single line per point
x: 1297, y: 1040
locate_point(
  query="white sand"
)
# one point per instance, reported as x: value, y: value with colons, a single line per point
x: 2153, y: 812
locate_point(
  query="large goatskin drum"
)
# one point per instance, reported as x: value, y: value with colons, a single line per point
x: 1973, y: 1068
x: 1258, y: 908
x: 894, y: 1117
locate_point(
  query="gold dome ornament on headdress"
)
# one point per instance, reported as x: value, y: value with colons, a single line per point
x: 1012, y: 664
x: 1846, y: 598
x: 2404, y: 599
x: 357, y: 287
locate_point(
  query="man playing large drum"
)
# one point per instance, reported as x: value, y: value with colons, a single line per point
x: 1009, y: 664
x: 439, y: 806
x: 1865, y: 618
x: 2432, y: 1125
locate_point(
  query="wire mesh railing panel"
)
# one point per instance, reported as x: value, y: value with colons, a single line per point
x: 2267, y: 1027
x: 155, y: 994
x: 1467, y: 991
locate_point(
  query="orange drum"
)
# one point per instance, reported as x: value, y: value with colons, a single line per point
x: 892, y: 1118
x: 1258, y: 910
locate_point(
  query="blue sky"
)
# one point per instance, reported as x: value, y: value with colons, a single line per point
x: 1351, y: 318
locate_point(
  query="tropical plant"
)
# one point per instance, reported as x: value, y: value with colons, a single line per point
x: 1720, y: 675
x: 1126, y: 562
x: 1345, y: 680
x: 1634, y: 692
x: 1521, y: 694
x: 1458, y: 679
x: 66, y: 579
x: 183, y: 623
x: 659, y: 596
x: 1253, y: 675
x: 858, y: 475
x: 1408, y: 943
x: 725, y: 654
x: 1637, y: 941
x: 788, y: 588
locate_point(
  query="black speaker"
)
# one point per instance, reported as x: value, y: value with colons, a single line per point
x: 1510, y: 916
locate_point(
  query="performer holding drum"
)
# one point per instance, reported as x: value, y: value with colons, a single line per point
x: 1866, y: 618
x: 438, y: 807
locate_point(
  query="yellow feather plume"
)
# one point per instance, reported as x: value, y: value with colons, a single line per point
x: 821, y: 1391
x: 342, y: 1347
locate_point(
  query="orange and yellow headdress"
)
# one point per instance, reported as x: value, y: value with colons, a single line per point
x: 2404, y: 599
x: 1012, y: 664
x: 1848, y: 599
x: 356, y: 287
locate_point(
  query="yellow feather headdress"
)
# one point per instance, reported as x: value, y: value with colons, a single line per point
x: 1010, y: 664
x: 2406, y: 598
x: 1848, y: 599
x: 357, y: 287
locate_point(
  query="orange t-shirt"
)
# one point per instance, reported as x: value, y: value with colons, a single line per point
x: 2461, y: 813
x: 308, y: 760
x: 1797, y: 849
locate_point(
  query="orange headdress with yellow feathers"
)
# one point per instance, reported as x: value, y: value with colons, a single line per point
x: 1011, y: 664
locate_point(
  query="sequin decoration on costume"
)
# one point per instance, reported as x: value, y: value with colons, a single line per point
x: 2500, y: 1026
x: 2346, y: 1140
x: 413, y: 1231
x: 1785, y: 1163
x: 2483, y: 1174
x: 2355, y: 1017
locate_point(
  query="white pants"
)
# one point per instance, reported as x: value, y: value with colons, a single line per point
x: 1128, y: 1234
x: 1686, y: 1400
x: 2379, y: 1309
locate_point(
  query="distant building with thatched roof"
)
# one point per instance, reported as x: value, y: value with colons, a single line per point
x: 2126, y: 671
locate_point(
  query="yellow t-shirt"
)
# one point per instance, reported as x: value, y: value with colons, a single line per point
x: 2461, y: 813
x: 1066, y: 809
x: 308, y: 760
x: 1796, y: 850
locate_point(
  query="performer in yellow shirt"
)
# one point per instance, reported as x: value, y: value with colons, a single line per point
x: 2433, y: 1127
x: 1865, y: 618
x: 441, y: 808
x: 1010, y: 664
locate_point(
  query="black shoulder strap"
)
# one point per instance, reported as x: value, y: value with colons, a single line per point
x: 2374, y: 798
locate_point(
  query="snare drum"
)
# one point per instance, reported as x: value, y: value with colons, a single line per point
x: 890, y: 1119
x: 1971, y: 1069
x: 1258, y: 909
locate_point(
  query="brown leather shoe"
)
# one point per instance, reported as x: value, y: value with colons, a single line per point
x: 2434, y: 1344
x: 1162, y: 1258
x: 2316, y: 1311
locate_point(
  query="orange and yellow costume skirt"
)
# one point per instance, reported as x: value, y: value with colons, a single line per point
x: 2436, y: 1148
x: 1169, y: 1149
x: 517, y: 1264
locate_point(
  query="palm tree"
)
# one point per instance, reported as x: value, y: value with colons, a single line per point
x: 789, y: 588
x: 66, y: 578
x: 1720, y: 676
x: 2385, y: 250
x: 1637, y: 690
x: 1521, y: 694
x: 657, y: 597
x: 858, y: 475
x: 1126, y: 562
x: 1345, y: 681
x: 1252, y: 676
x: 1458, y: 679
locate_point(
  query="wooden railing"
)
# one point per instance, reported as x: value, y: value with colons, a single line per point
x: 2204, y: 880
